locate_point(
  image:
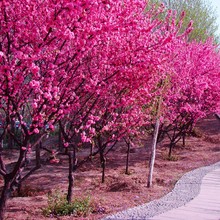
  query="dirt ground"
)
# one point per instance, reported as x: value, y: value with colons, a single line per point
x: 120, y: 191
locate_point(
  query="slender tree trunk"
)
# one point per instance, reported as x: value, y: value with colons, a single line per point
x: 70, y: 178
x: 19, y: 184
x: 170, y: 149
x: 153, y: 153
x: 103, y: 164
x: 128, y: 156
x: 184, y: 139
x: 11, y: 143
x: 91, y: 150
x: 4, y: 197
x: 102, y: 157
x: 60, y: 139
x: 38, y: 159
x: 72, y: 168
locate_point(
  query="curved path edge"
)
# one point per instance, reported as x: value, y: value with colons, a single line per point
x: 186, y: 189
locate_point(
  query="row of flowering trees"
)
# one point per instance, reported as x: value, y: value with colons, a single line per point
x: 99, y: 69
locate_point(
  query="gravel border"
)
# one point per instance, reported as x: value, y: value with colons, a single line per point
x: 187, y: 188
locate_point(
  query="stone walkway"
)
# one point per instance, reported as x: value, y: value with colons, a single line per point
x: 196, y: 196
x: 206, y: 206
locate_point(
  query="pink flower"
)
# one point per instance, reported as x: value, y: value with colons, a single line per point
x: 36, y: 131
x: 66, y: 144
x: 34, y: 105
x: 51, y: 127
x: 54, y: 161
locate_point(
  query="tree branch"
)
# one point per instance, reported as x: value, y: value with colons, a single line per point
x: 29, y: 173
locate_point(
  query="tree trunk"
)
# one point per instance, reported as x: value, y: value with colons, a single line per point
x: 102, y: 157
x: 11, y: 143
x: 153, y: 153
x: 60, y: 140
x: 38, y: 159
x: 70, y: 178
x: 103, y: 164
x: 11, y: 181
x: 6, y: 191
x: 170, y: 150
x: 127, y: 159
x: 19, y: 184
x: 184, y: 139
x: 91, y: 151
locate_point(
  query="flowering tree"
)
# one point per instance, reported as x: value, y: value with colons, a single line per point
x: 187, y: 92
x: 195, y: 85
x: 116, y: 71
x: 43, y: 45
x: 160, y: 81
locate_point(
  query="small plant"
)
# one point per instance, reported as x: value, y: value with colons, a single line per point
x: 196, y: 133
x: 160, y: 181
x: 58, y: 206
x: 170, y: 158
x: 28, y: 191
x: 173, y: 158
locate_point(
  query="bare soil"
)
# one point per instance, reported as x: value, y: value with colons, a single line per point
x: 120, y: 191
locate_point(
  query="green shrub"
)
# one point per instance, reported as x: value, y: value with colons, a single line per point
x: 196, y: 132
x: 28, y: 191
x: 173, y: 158
x: 58, y: 206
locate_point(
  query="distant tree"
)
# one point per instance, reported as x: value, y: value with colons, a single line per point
x: 201, y: 12
x: 194, y: 90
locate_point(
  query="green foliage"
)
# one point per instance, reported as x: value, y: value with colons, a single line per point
x: 196, y: 133
x: 58, y: 206
x: 28, y: 191
x: 170, y: 158
x: 201, y: 12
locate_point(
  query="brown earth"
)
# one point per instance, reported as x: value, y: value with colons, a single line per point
x: 120, y: 191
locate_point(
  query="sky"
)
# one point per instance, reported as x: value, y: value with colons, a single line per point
x: 216, y: 6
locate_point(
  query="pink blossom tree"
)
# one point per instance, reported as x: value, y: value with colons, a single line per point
x: 43, y: 48
x: 195, y: 85
x: 116, y: 71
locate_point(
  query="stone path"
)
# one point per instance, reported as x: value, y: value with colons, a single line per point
x: 206, y: 206
x: 196, y: 196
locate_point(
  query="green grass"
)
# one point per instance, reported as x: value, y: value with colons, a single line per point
x: 58, y: 206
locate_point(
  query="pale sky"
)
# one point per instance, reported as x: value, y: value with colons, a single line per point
x: 216, y: 6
